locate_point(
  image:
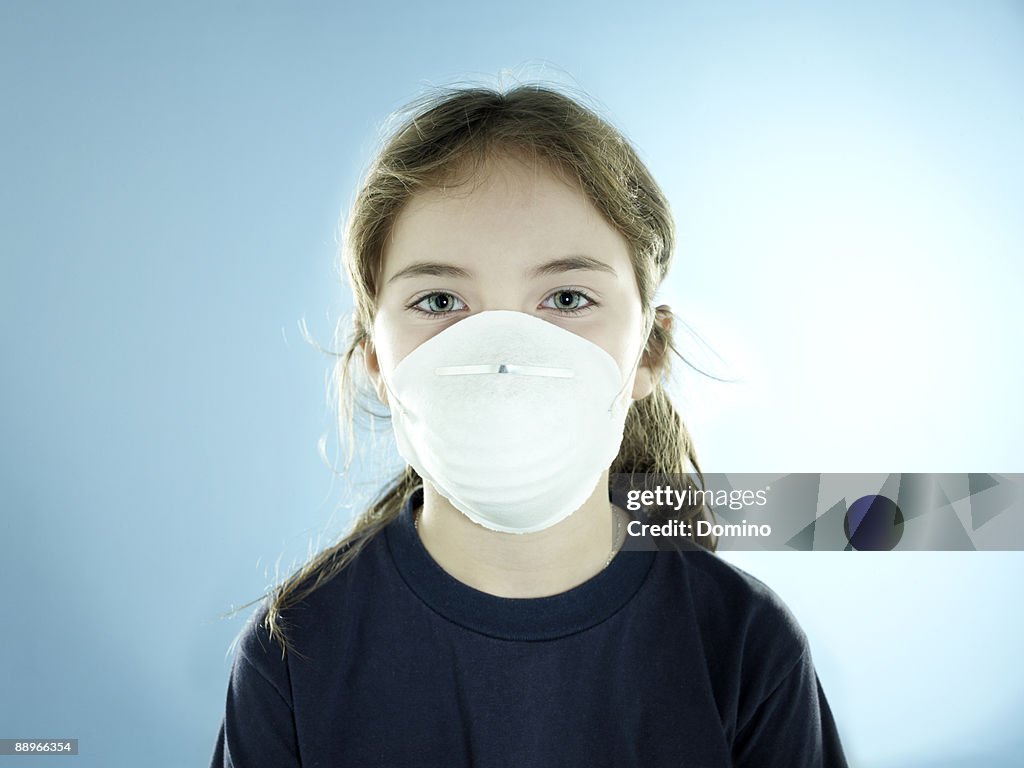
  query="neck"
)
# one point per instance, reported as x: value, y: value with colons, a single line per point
x: 537, y: 564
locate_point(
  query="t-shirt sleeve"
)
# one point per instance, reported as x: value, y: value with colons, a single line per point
x: 258, y: 727
x: 792, y: 726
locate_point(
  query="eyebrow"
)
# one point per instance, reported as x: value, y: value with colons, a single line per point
x: 552, y: 267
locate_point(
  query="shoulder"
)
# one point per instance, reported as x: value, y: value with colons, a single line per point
x: 254, y: 641
x: 745, y: 596
x: 740, y: 615
x: 258, y: 657
x: 318, y: 606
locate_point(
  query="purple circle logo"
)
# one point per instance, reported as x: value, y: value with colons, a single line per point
x: 873, y: 523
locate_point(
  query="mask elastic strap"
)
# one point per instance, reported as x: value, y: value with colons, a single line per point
x: 648, y: 327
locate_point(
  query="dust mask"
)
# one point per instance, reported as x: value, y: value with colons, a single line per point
x: 510, y: 417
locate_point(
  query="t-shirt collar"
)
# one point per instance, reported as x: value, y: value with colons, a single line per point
x: 535, y: 618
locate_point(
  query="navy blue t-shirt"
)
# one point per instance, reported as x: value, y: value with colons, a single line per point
x: 664, y: 658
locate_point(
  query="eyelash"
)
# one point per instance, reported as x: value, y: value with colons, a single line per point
x: 565, y: 312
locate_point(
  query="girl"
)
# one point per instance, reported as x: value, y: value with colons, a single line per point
x: 504, y: 252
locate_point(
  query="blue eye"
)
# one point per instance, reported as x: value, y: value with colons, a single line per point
x: 567, y: 301
x: 438, y: 303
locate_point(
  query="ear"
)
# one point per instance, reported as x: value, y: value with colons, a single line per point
x: 652, y: 364
x: 372, y: 367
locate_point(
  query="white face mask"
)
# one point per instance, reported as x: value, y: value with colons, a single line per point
x: 510, y: 417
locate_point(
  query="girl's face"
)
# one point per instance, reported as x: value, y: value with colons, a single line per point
x: 522, y: 240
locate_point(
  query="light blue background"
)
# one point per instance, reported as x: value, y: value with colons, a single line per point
x: 848, y: 184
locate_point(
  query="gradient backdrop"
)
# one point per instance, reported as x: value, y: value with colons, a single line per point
x: 848, y: 184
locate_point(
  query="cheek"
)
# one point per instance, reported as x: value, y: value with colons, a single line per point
x: 622, y: 348
x: 385, y: 338
x: 643, y: 384
x: 393, y: 340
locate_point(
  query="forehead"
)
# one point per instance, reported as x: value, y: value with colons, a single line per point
x: 513, y: 178
x: 506, y: 201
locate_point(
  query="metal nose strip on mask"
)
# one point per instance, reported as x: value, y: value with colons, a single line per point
x: 522, y: 370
